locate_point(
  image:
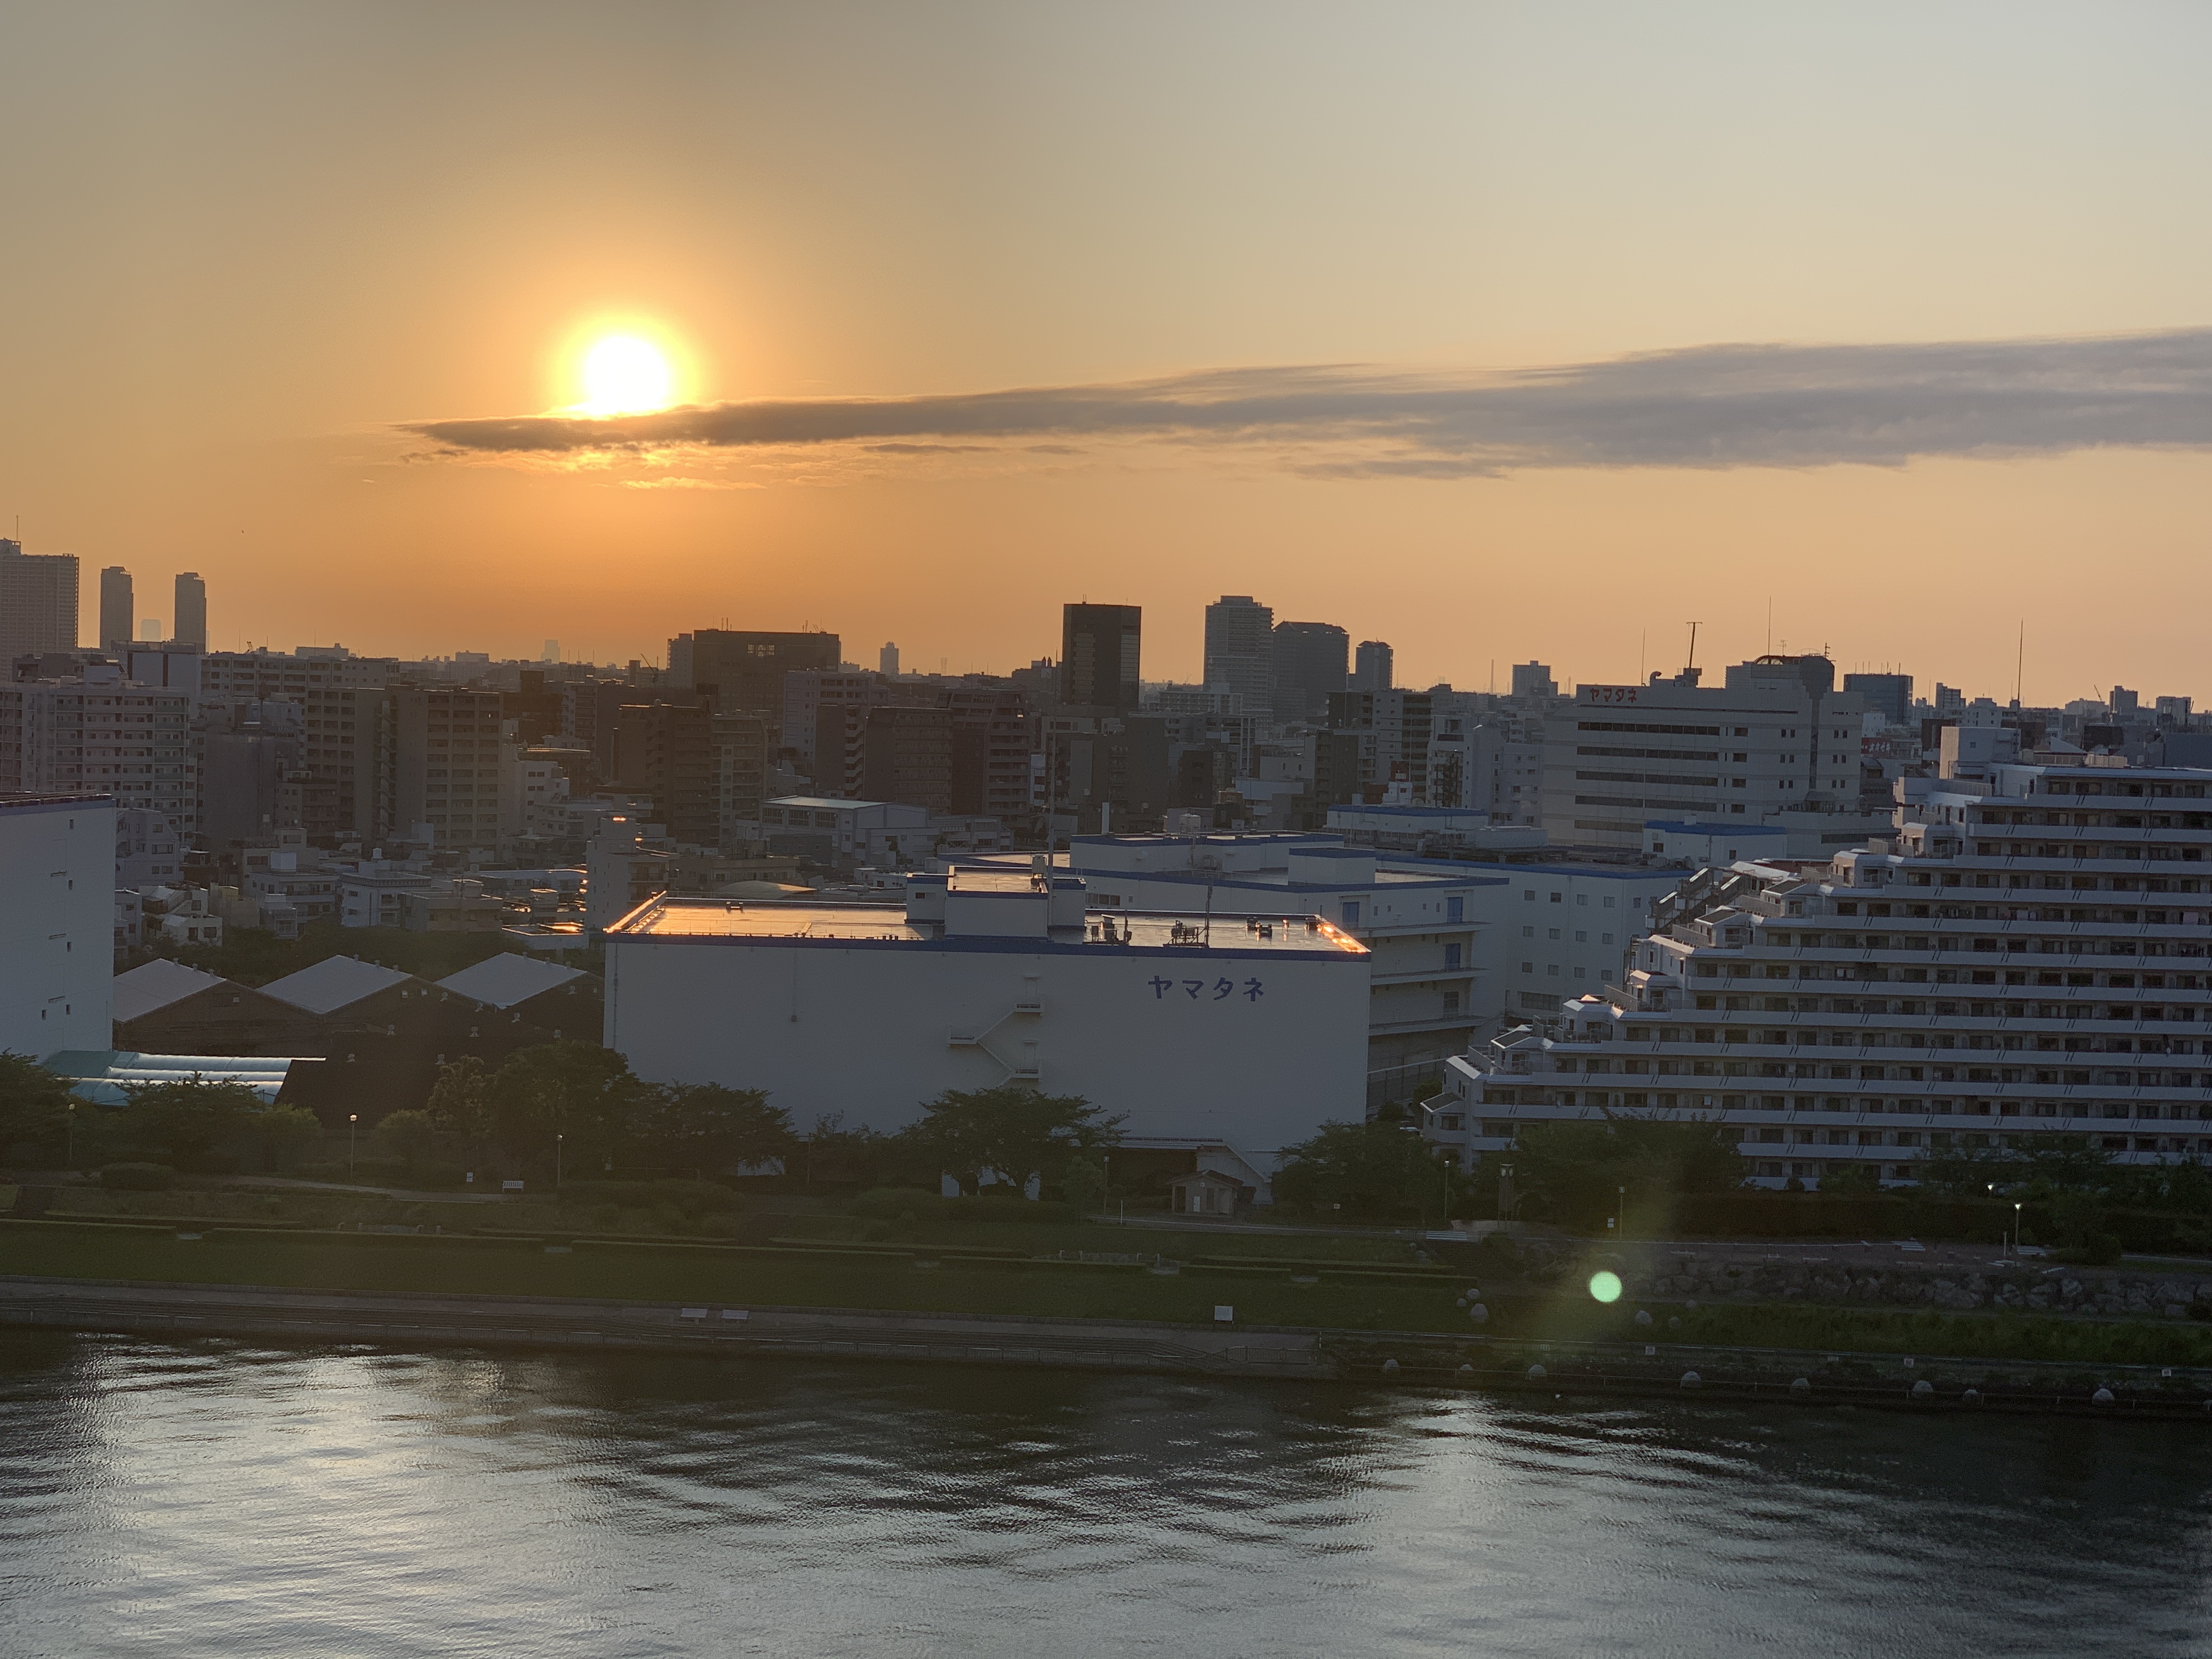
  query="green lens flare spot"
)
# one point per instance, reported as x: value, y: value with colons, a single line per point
x: 1606, y: 1287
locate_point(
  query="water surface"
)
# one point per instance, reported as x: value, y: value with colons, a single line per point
x: 227, y: 1498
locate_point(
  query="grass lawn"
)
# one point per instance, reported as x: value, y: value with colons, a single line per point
x: 666, y: 1273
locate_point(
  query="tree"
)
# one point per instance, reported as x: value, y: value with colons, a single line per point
x: 412, y: 1135
x: 1017, y: 1134
x: 278, y: 1137
x: 189, y: 1124
x: 1574, y: 1172
x: 574, y: 1090
x: 708, y: 1126
x: 461, y: 1104
x: 34, y: 1107
x: 1083, y: 1185
x: 1851, y: 1180
x: 1376, y: 1171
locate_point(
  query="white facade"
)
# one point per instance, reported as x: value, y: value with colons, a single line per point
x: 1253, y: 1039
x: 1421, y: 922
x: 1774, y: 742
x: 57, y: 948
x: 2029, y: 956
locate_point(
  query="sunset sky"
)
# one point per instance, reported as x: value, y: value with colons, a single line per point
x: 1324, y: 304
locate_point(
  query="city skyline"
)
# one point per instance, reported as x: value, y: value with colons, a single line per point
x: 1535, y: 216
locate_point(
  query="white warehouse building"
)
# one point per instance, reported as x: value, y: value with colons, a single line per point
x: 1249, y: 1032
x: 58, y: 892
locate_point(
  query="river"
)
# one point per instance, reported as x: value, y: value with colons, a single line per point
x: 233, y: 1498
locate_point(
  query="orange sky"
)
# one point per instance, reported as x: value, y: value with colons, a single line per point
x: 248, y: 243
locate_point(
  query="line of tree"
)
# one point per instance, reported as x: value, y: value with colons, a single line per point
x: 188, y: 1123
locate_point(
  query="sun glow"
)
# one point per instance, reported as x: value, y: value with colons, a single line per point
x: 625, y: 374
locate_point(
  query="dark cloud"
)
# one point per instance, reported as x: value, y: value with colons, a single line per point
x: 1710, y: 406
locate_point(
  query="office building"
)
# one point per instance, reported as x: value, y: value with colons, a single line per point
x: 118, y: 612
x: 1254, y: 1031
x: 1776, y: 744
x: 1889, y: 696
x: 2024, y: 957
x: 1312, y: 662
x: 743, y: 672
x: 57, y: 893
x: 740, y: 757
x: 190, y: 621
x: 1372, y: 667
x: 1100, y: 647
x: 38, y: 602
x: 1533, y: 679
x: 1240, y: 654
x: 906, y: 757
x: 887, y: 660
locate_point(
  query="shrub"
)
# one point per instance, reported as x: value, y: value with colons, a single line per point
x: 138, y: 1178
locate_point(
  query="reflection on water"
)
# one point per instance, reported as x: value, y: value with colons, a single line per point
x: 221, y: 1497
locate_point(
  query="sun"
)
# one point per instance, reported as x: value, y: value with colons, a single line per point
x: 626, y: 375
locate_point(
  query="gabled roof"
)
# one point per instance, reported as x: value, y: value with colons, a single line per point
x: 508, y: 978
x: 333, y: 983
x: 157, y: 984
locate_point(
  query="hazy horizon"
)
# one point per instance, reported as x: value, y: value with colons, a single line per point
x: 1499, y: 333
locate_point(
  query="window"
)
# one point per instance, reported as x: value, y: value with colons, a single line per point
x: 1528, y: 933
x: 1553, y: 931
x: 1582, y: 898
x: 1581, y: 937
x: 1454, y: 909
x: 1351, y: 913
x: 1452, y: 956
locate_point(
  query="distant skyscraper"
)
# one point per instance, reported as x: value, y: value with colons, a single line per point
x: 1371, y: 669
x: 1240, y: 650
x: 1531, y: 679
x: 552, y: 652
x: 1312, y: 659
x: 38, y: 601
x: 117, y: 610
x: 149, y: 628
x: 1891, y: 693
x: 1100, y: 646
x: 191, y: 626
x: 887, y: 660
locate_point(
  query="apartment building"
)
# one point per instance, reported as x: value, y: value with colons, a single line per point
x: 38, y: 601
x: 104, y: 735
x: 449, y: 775
x: 1240, y: 652
x: 2029, y: 954
x: 272, y: 675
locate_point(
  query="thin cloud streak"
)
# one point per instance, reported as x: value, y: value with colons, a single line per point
x: 1704, y: 407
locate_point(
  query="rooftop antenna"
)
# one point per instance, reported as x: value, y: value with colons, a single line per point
x: 1770, y: 624
x: 1692, y: 663
x: 2020, y: 663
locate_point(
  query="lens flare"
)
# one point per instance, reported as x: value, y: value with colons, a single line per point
x: 1605, y: 1287
x: 626, y: 375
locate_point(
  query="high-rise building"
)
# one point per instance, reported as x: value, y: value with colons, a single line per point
x: 58, y: 890
x: 887, y: 660
x: 1393, y: 728
x: 38, y: 601
x: 741, y: 754
x: 667, y: 751
x: 1888, y: 694
x: 746, y: 670
x: 448, y: 766
x: 2001, y: 972
x: 906, y: 757
x: 1312, y: 661
x: 1240, y: 652
x: 103, y: 733
x: 1372, y: 667
x: 117, y: 611
x: 1533, y: 679
x: 1100, y: 646
x: 190, y: 620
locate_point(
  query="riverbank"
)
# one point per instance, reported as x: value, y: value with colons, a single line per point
x: 1225, y: 1349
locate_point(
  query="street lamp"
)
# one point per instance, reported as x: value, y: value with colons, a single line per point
x: 353, y: 1120
x: 557, y: 1139
x: 72, y: 1134
x: 2015, y: 1226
